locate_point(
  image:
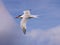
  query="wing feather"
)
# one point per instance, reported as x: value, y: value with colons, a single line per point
x: 33, y: 16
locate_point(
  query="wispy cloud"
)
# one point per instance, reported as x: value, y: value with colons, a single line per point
x: 8, y: 27
x: 42, y: 37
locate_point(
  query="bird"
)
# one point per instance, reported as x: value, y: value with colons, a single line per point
x: 24, y: 17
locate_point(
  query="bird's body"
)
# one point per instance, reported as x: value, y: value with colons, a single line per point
x: 24, y: 19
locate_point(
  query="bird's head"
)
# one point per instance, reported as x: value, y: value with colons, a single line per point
x: 27, y: 11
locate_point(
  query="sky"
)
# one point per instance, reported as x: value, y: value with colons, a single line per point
x: 45, y: 30
x: 47, y: 9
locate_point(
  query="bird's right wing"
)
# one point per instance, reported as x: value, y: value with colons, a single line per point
x: 34, y: 16
x: 23, y: 25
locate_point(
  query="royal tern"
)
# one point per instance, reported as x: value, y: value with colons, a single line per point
x: 24, y: 17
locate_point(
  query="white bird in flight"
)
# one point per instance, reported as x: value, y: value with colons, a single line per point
x: 24, y: 17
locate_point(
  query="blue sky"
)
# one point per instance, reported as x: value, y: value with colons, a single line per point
x: 45, y: 30
x: 49, y: 11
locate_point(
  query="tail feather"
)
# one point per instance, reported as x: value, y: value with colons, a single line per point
x: 24, y: 30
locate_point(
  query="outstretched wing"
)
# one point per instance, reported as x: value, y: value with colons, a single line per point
x: 23, y: 25
x: 33, y: 16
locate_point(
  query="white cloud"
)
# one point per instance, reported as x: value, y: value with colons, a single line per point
x: 8, y: 27
x: 43, y: 37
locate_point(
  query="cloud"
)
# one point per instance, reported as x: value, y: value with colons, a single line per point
x: 8, y: 27
x: 42, y: 37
